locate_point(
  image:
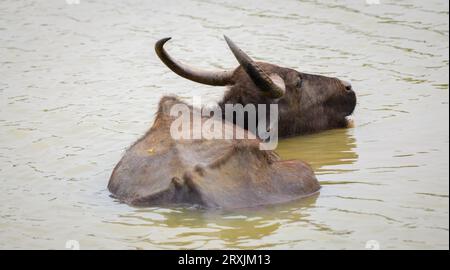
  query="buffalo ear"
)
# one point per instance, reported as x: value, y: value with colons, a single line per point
x: 278, y: 81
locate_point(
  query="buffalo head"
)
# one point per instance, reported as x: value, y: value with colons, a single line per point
x: 307, y: 103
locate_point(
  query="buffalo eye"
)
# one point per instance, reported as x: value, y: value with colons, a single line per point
x: 299, y: 82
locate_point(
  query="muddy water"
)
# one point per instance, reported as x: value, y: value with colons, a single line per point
x: 80, y: 82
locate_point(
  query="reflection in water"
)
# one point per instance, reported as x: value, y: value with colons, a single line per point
x: 237, y: 228
x: 322, y: 151
x: 243, y: 228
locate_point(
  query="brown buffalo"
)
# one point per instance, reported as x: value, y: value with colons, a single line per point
x: 158, y: 170
x: 307, y: 103
x: 232, y: 173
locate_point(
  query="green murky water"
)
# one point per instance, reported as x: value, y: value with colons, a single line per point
x: 79, y: 83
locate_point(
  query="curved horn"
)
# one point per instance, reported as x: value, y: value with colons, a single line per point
x: 258, y: 76
x: 215, y: 78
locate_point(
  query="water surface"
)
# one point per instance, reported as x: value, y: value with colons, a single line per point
x: 80, y: 83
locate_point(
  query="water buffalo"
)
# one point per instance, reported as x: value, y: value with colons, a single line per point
x: 307, y: 103
x: 228, y: 174
x: 231, y: 173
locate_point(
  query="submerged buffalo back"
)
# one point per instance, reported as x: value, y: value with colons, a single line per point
x: 213, y: 173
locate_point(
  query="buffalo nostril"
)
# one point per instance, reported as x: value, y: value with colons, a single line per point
x: 347, y: 85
